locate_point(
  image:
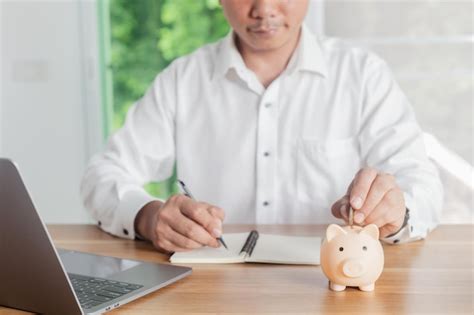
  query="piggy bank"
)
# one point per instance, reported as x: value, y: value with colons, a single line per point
x: 352, y: 257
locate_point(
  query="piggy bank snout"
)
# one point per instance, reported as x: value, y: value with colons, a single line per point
x: 353, y: 268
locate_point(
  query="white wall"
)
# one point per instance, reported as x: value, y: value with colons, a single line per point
x: 49, y: 110
x: 315, y: 16
x: 429, y: 46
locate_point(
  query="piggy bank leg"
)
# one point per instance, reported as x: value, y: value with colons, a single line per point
x: 336, y: 287
x: 369, y: 287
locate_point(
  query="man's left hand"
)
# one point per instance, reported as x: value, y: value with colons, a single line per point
x: 375, y: 198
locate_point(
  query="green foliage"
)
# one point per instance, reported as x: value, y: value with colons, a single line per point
x: 189, y: 24
x: 146, y: 35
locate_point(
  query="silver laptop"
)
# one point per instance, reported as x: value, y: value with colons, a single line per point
x: 36, y: 277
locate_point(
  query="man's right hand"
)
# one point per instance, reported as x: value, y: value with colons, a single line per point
x: 180, y: 224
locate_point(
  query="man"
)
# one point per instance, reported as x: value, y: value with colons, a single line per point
x: 269, y: 126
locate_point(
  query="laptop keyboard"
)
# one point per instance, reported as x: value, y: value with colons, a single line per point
x: 94, y: 291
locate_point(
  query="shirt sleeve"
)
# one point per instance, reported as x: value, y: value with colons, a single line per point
x: 143, y: 150
x: 391, y: 141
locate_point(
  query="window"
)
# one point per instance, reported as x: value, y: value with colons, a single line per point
x: 139, y: 39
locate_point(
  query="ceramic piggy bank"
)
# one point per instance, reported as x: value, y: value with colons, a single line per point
x: 352, y: 256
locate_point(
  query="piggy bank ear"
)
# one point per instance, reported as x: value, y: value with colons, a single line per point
x: 333, y: 231
x: 372, y: 230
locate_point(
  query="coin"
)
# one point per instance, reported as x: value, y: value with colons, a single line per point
x: 351, y: 216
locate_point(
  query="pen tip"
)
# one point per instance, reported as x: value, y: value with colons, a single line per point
x: 223, y: 243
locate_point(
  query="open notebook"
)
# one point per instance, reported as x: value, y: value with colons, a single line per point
x: 259, y: 248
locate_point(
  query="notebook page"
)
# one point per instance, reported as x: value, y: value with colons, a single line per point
x: 234, y: 241
x: 281, y: 249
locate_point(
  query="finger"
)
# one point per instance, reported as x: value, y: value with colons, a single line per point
x: 394, y: 226
x: 379, y: 216
x: 189, y: 228
x: 161, y: 236
x: 348, y: 192
x: 216, y: 212
x: 340, y: 208
x: 344, y: 209
x: 382, y: 184
x: 386, y: 230
x: 180, y: 240
x: 387, y: 208
x: 335, y: 208
x: 199, y: 213
x: 361, y: 186
x: 166, y: 246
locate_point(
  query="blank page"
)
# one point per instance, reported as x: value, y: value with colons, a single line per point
x: 234, y: 241
x: 281, y: 249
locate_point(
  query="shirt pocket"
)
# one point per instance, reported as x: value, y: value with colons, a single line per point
x: 325, y: 170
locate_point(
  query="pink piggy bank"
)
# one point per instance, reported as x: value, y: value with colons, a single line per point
x: 352, y: 256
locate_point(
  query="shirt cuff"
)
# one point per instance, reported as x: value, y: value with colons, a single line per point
x: 409, y: 233
x: 402, y: 236
x: 131, y: 202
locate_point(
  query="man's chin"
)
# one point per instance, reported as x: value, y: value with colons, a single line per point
x: 267, y: 45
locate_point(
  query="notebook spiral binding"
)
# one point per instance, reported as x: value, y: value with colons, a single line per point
x: 250, y: 243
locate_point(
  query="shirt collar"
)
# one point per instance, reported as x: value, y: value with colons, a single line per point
x: 227, y: 57
x: 308, y: 56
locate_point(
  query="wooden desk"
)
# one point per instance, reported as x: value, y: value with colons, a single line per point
x: 434, y: 276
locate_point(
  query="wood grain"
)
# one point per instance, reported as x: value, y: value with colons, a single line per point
x: 434, y: 276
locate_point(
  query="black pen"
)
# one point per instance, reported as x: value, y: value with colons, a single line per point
x: 188, y: 193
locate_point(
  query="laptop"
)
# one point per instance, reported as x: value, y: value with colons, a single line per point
x: 36, y: 277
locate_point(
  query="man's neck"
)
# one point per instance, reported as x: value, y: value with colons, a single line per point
x: 268, y: 65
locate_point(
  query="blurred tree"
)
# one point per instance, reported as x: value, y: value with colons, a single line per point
x: 146, y: 35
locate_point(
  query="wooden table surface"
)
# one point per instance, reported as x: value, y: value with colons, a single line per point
x: 434, y: 276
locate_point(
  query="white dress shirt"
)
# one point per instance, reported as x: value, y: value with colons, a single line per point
x: 277, y: 155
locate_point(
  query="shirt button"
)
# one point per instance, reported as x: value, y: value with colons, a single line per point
x: 267, y: 105
x: 266, y: 153
x: 266, y: 203
x: 125, y: 231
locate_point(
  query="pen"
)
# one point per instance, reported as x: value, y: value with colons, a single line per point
x: 188, y: 193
